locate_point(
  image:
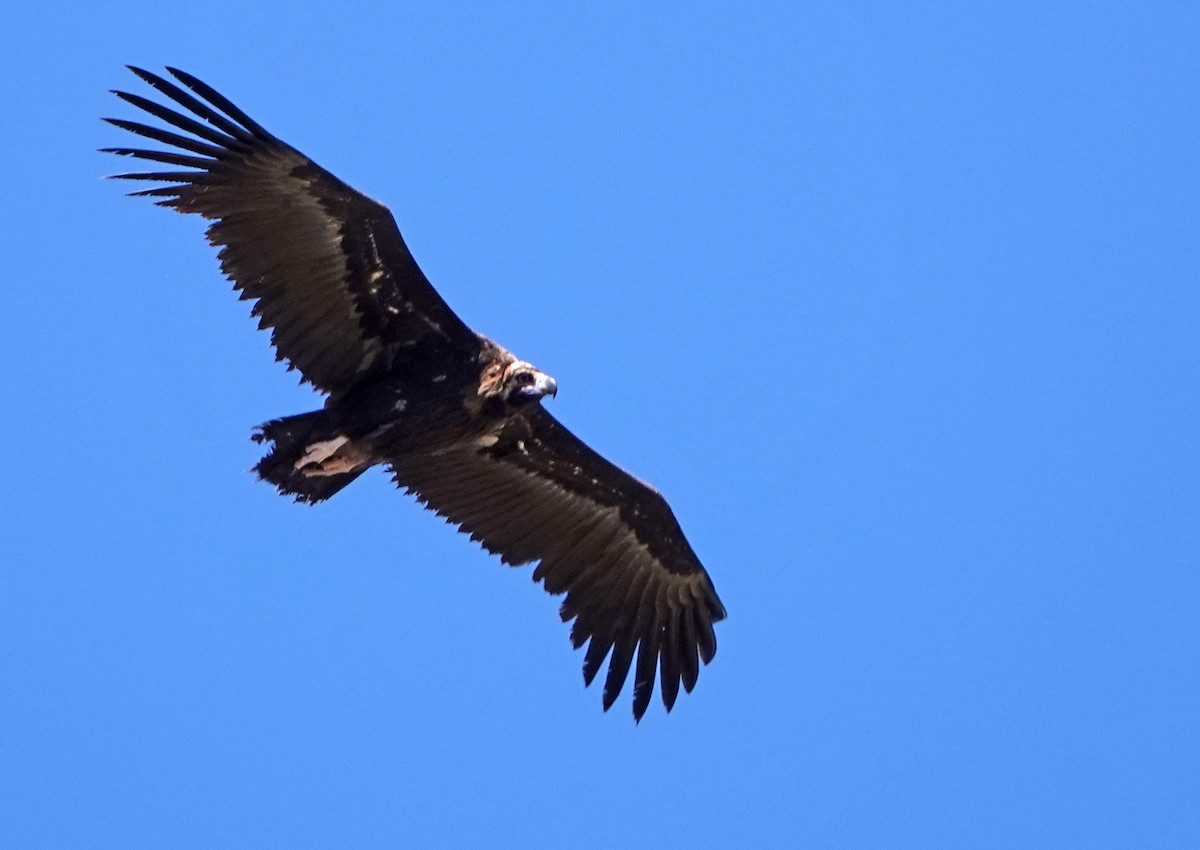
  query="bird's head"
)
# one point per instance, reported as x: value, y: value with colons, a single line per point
x: 524, y: 384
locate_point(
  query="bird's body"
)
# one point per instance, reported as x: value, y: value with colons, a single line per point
x: 456, y: 418
x: 421, y: 406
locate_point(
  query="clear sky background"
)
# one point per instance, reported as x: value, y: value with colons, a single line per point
x: 898, y: 304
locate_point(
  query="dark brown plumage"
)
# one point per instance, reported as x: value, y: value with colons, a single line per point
x: 456, y: 418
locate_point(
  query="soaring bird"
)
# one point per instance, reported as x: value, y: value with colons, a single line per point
x: 455, y: 418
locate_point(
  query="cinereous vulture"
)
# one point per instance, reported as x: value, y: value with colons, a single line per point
x: 457, y: 420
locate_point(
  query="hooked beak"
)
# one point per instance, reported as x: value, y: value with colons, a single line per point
x: 544, y: 385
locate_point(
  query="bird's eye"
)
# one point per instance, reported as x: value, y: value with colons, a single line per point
x: 524, y: 378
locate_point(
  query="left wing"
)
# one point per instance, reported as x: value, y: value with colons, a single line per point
x: 606, y: 539
x: 327, y: 265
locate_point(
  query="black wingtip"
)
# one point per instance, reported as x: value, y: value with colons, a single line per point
x: 610, y: 699
x: 669, y: 696
x: 143, y: 74
x: 618, y: 672
x: 221, y: 102
x: 597, y: 651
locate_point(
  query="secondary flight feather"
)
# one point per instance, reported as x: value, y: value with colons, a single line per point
x: 457, y: 419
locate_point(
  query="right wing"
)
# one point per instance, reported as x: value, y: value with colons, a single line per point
x: 606, y: 539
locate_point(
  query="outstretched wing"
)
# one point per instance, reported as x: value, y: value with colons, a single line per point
x: 328, y: 267
x: 607, y: 540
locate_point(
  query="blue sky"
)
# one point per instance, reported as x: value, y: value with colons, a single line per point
x: 897, y: 303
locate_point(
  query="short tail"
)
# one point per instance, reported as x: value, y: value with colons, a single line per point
x: 309, y: 459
